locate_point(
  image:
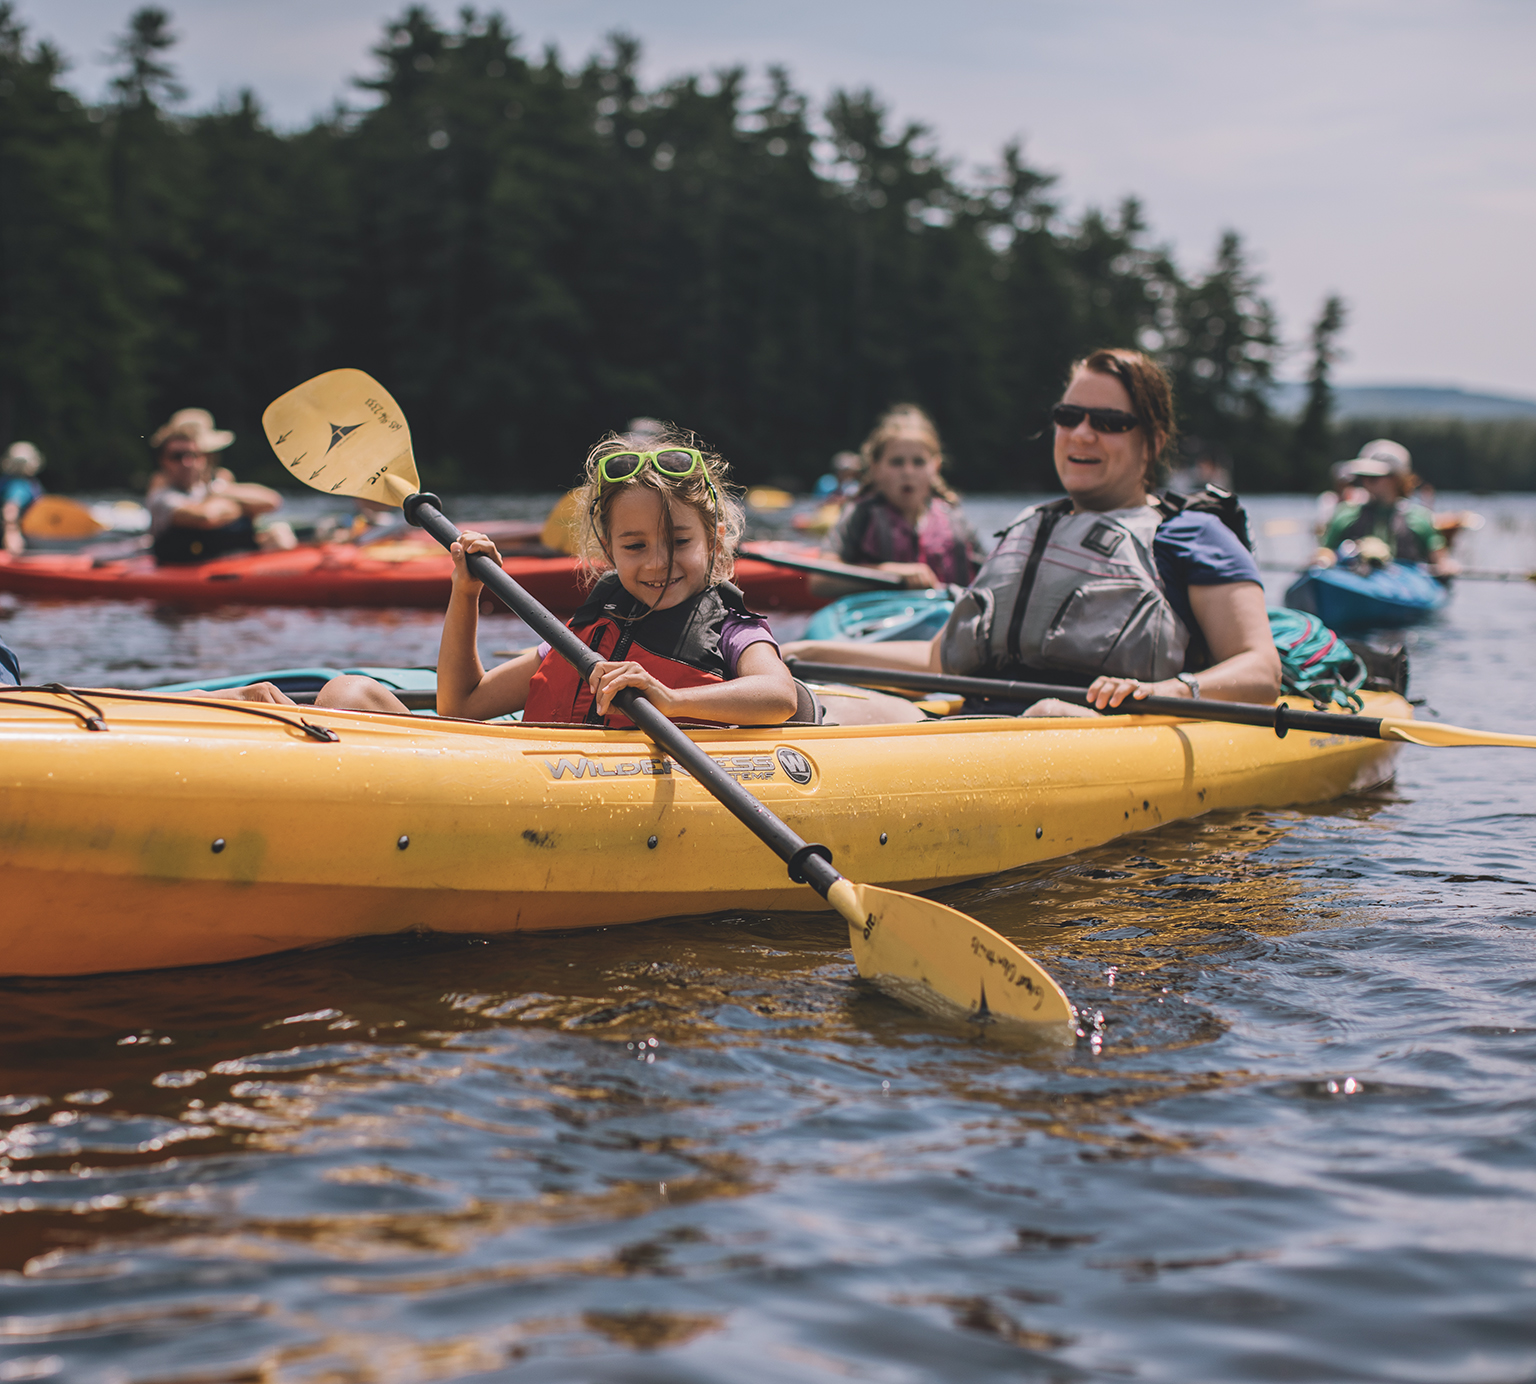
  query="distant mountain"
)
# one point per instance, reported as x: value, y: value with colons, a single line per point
x: 1408, y: 401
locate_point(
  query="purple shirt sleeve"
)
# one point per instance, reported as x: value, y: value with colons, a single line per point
x: 738, y: 634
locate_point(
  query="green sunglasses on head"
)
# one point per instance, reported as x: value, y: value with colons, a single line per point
x: 676, y: 462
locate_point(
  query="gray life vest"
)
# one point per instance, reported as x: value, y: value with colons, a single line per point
x: 1077, y: 593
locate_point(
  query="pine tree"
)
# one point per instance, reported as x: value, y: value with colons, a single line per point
x: 1312, y: 439
x: 1221, y: 350
x: 67, y: 369
x: 150, y: 195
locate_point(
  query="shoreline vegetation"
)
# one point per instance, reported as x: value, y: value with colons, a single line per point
x: 532, y: 252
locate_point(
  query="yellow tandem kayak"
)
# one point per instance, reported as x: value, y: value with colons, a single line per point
x: 184, y: 832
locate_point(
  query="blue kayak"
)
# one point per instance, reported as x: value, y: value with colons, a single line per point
x: 876, y: 616
x: 1385, y: 598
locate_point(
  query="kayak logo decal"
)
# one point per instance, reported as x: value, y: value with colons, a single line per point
x: 744, y: 768
x: 795, y: 764
x: 339, y: 434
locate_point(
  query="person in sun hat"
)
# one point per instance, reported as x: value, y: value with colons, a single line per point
x: 198, y: 511
x: 1387, y: 516
x: 19, y: 488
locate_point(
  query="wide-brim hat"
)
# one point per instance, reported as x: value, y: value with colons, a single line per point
x: 1369, y: 466
x: 21, y: 459
x: 196, y: 424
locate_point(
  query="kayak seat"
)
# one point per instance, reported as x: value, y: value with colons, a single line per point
x: 808, y: 711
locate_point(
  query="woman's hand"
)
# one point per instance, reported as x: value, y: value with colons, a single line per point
x: 470, y: 542
x: 1107, y: 692
x: 609, y: 679
x: 915, y: 576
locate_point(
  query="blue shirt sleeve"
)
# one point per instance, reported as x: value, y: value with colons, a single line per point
x: 1199, y: 550
x: 10, y: 669
x: 20, y: 491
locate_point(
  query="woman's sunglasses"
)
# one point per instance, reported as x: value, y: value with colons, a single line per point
x: 676, y: 462
x: 1101, y: 420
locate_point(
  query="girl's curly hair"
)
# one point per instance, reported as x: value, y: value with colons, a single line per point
x: 706, y: 491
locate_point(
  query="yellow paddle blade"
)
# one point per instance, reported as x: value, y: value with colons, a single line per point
x: 1436, y: 736
x: 342, y: 433
x: 943, y: 962
x: 57, y: 516
x: 560, y: 528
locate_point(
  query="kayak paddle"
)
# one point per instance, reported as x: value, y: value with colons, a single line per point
x: 57, y: 516
x: 342, y: 433
x: 825, y: 567
x: 1455, y: 574
x: 1280, y: 718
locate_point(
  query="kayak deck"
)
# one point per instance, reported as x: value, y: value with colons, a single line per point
x: 193, y: 832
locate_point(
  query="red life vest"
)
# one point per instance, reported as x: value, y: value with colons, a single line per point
x: 679, y: 646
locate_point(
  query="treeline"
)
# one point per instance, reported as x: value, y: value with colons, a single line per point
x: 528, y: 254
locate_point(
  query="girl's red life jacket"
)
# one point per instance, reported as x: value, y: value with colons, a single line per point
x: 679, y: 646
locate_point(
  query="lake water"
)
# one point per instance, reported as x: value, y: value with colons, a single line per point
x: 1303, y: 1146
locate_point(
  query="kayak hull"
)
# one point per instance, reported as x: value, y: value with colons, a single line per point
x: 200, y: 832
x: 401, y: 573
x: 1387, y: 598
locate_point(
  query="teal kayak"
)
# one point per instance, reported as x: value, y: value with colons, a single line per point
x: 876, y: 616
x: 302, y: 683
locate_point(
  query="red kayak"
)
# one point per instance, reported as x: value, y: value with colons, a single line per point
x: 398, y: 572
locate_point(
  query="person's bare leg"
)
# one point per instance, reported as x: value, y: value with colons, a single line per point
x: 1054, y: 706
x: 354, y: 692
x: 854, y: 706
x: 251, y: 692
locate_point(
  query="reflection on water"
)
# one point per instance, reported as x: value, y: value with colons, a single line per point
x: 1295, y: 1140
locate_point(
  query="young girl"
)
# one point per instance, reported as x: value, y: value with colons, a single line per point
x: 664, y: 616
x: 905, y: 520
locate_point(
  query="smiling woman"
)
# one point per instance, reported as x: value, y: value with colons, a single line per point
x: 1111, y: 583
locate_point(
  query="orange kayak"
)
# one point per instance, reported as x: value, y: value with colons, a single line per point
x: 398, y: 572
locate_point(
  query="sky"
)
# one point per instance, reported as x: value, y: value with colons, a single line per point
x: 1384, y: 150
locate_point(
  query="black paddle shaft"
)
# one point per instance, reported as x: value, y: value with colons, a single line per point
x: 869, y: 576
x: 808, y: 863
x: 1281, y: 719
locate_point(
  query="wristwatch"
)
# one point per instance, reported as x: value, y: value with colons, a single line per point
x: 1190, y: 681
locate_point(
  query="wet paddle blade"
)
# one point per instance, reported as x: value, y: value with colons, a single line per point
x: 342, y: 433
x: 943, y: 962
x: 57, y: 516
x: 1438, y: 737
